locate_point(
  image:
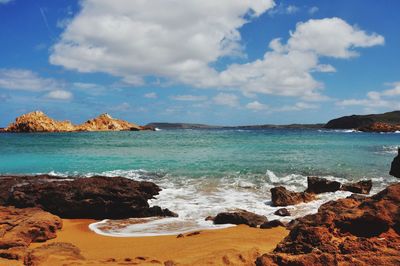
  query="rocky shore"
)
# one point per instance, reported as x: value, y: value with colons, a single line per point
x: 39, y: 122
x: 357, y: 230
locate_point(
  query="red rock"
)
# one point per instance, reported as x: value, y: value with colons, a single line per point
x: 58, y: 253
x: 319, y: 185
x: 361, y: 187
x: 20, y: 227
x: 380, y: 127
x: 351, y: 231
x: 280, y: 196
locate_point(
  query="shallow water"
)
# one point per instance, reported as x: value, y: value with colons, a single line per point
x: 203, y: 172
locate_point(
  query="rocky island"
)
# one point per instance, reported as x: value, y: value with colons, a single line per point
x: 39, y: 122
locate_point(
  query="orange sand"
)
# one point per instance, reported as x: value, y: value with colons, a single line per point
x: 238, y: 245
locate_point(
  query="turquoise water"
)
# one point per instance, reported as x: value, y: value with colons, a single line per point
x: 203, y: 172
x: 201, y: 152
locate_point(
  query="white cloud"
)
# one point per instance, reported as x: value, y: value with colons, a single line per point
x: 150, y: 95
x: 59, y: 95
x: 226, y: 99
x: 158, y: 37
x: 5, y: 1
x: 137, y: 39
x: 386, y: 99
x: 256, y: 106
x: 25, y: 80
x: 331, y: 37
x: 190, y: 98
x: 313, y: 10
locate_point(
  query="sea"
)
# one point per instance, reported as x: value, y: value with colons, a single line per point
x: 204, y: 172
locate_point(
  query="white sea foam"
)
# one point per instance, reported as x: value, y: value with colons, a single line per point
x: 194, y: 199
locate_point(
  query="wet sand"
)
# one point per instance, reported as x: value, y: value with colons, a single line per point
x: 238, y: 245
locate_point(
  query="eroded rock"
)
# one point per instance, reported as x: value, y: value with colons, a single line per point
x: 282, y: 212
x: 94, y: 198
x: 361, y: 187
x: 20, y: 227
x: 351, y: 231
x: 280, y: 196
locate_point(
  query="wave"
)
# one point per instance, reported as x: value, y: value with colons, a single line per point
x: 194, y: 199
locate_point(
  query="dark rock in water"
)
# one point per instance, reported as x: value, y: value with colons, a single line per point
x: 351, y: 231
x: 240, y: 217
x: 319, y: 185
x: 395, y: 167
x: 282, y: 212
x: 94, y: 198
x: 361, y: 187
x: 280, y: 196
x: 272, y: 224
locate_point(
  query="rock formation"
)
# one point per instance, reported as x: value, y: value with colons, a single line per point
x: 282, y: 212
x: 105, y: 122
x: 280, y: 196
x: 351, y: 231
x: 319, y: 185
x: 39, y: 122
x: 20, y: 227
x: 95, y: 197
x: 360, y: 187
x: 395, y: 166
x: 272, y: 224
x: 380, y: 127
x: 240, y: 217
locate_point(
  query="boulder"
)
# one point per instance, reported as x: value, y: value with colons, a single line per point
x: 351, y: 231
x: 282, y: 212
x: 272, y: 224
x: 319, y: 185
x: 20, y: 227
x: 96, y: 197
x: 280, y: 196
x: 361, y: 187
x: 240, y: 217
x: 395, y: 166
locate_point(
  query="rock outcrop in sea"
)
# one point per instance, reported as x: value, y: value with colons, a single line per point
x: 395, y: 166
x: 93, y: 198
x: 39, y: 122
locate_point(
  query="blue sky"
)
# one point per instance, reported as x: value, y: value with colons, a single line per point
x: 226, y: 62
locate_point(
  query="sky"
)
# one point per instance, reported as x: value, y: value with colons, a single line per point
x: 225, y: 62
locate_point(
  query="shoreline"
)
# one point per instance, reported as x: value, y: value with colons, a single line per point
x: 233, y: 245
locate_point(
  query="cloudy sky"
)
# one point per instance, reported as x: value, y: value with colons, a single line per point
x: 224, y: 62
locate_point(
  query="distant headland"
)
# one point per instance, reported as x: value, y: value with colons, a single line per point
x: 39, y: 122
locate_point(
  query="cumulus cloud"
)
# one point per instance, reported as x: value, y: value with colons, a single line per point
x: 59, y: 95
x: 150, y: 95
x: 296, y: 107
x: 226, y: 99
x: 385, y: 99
x: 256, y: 106
x: 189, y: 98
x: 25, y: 80
x: 138, y: 39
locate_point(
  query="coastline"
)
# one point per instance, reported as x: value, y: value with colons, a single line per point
x: 235, y: 245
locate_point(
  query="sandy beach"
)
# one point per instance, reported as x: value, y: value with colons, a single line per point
x: 239, y: 245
